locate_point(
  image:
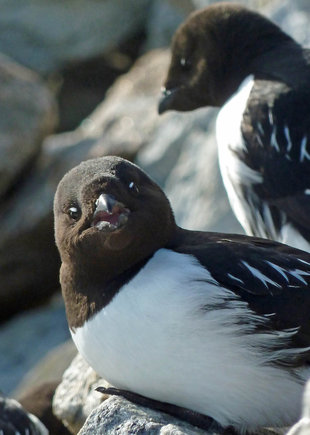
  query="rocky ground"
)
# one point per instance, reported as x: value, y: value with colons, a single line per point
x: 78, y: 82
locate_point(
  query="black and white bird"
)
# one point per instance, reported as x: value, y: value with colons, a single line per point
x: 15, y: 420
x: 228, y: 56
x: 215, y: 323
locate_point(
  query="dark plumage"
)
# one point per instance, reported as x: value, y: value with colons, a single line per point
x: 228, y: 56
x: 14, y: 419
x: 216, y: 323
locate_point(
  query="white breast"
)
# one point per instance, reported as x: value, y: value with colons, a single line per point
x: 161, y: 338
x: 234, y: 172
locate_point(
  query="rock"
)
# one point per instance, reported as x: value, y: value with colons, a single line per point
x: 50, y: 367
x: 76, y: 397
x: 302, y: 427
x: 25, y: 340
x: 28, y: 114
x: 126, y: 119
x: 15, y: 419
x: 44, y: 35
x: 82, y: 85
x: 182, y: 157
x: 293, y: 18
x: 76, y: 400
x: 117, y: 416
x: 163, y: 18
x: 38, y: 401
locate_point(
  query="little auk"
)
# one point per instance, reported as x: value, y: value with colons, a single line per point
x: 228, y: 56
x: 217, y: 324
x: 15, y: 420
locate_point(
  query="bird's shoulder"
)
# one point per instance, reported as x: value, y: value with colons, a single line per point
x: 276, y: 121
x: 255, y: 265
x: 276, y: 144
x: 272, y: 278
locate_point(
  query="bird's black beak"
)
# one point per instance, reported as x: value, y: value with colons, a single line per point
x: 109, y: 214
x: 105, y: 203
x: 166, y: 99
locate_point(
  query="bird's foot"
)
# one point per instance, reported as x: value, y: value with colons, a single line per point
x: 195, y: 418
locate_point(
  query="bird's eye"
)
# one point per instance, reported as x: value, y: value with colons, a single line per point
x: 133, y: 187
x: 74, y: 212
x: 185, y: 63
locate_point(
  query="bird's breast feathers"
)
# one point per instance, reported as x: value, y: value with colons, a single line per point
x: 174, y: 334
x: 237, y: 176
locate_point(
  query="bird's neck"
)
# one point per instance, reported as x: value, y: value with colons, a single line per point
x: 288, y: 64
x: 91, y: 278
x: 80, y: 293
x: 278, y: 59
x: 87, y: 288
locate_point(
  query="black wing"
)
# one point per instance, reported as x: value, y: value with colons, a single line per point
x: 274, y: 279
x: 14, y: 419
x: 276, y: 132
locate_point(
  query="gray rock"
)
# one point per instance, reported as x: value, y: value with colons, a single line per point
x: 44, y: 35
x: 163, y: 18
x: 38, y: 401
x: 253, y: 4
x: 182, y: 158
x: 28, y: 114
x: 50, y: 367
x: 26, y: 339
x: 292, y: 17
x: 125, y: 121
x: 195, y: 185
x: 76, y: 397
x: 117, y: 416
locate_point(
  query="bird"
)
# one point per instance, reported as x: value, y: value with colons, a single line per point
x: 231, y: 57
x: 14, y: 419
x: 216, y: 324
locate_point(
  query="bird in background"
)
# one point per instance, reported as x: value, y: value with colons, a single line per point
x: 234, y: 58
x: 14, y: 419
x: 211, y: 327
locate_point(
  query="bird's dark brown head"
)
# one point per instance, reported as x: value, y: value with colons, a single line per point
x: 212, y: 52
x: 108, y: 211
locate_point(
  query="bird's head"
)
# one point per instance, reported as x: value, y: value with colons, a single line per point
x: 108, y: 210
x: 213, y: 51
x: 192, y: 60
